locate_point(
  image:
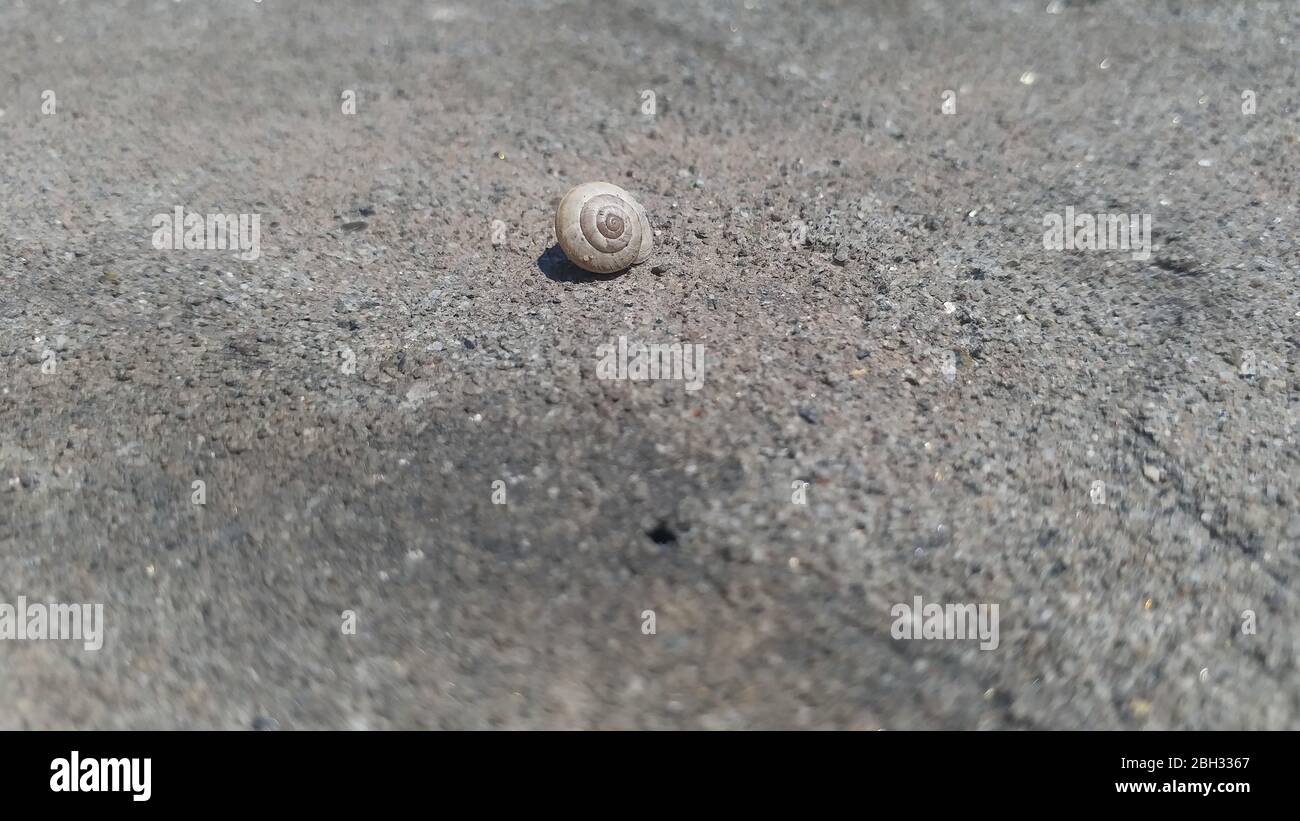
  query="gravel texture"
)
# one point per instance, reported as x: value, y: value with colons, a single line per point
x: 880, y: 319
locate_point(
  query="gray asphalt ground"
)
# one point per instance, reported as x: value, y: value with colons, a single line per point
x: 350, y: 398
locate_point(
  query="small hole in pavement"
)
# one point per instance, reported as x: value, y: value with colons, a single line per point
x: 662, y: 534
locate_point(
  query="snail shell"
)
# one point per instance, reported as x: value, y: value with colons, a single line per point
x: 602, y: 229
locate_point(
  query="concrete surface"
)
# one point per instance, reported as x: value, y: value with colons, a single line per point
x: 350, y: 397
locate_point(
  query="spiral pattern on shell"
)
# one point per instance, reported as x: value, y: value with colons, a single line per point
x: 602, y: 229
